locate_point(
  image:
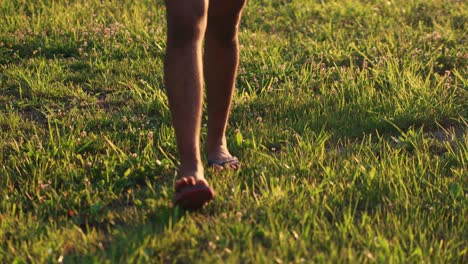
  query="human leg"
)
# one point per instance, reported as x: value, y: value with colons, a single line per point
x: 220, y: 66
x: 183, y: 73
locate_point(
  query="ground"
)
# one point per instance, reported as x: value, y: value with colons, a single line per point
x: 350, y: 120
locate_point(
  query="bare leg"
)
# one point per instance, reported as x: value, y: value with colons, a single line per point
x: 186, y: 22
x: 221, y: 61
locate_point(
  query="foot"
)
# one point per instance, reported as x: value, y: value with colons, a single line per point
x: 219, y: 158
x: 192, y: 192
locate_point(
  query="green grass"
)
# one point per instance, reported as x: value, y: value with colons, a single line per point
x: 350, y: 120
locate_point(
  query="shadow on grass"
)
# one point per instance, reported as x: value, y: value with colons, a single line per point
x: 352, y: 121
x: 64, y: 47
x: 126, y: 240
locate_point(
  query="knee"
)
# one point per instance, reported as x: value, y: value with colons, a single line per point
x: 223, y: 33
x: 186, y: 20
x: 223, y: 21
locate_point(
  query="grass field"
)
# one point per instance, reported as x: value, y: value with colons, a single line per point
x: 350, y: 119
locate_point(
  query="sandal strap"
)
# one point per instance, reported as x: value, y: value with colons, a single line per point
x: 232, y: 160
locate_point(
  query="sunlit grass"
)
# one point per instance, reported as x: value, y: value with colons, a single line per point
x: 349, y: 118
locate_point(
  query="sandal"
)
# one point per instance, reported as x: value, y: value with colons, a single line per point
x: 192, y: 194
x: 232, y: 163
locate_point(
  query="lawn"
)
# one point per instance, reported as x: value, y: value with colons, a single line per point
x: 350, y: 119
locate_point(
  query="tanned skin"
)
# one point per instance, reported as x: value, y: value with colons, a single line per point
x: 190, y: 23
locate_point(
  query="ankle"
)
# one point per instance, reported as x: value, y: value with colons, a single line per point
x: 191, y: 169
x: 214, y: 146
x: 220, y: 152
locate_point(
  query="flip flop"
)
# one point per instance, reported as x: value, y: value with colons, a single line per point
x: 232, y: 163
x: 192, y: 194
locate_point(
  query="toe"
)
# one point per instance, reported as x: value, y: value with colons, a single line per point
x: 202, y: 182
x: 181, y: 183
x: 187, y: 182
x: 192, y: 181
x: 218, y: 167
